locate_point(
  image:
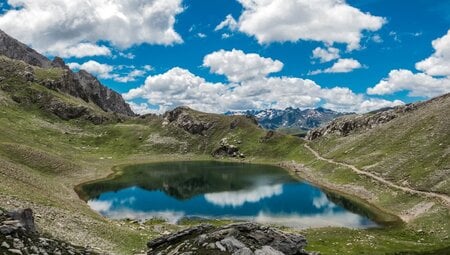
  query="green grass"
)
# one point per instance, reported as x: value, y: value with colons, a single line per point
x: 43, y: 158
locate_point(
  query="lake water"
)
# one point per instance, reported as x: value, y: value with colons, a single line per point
x: 260, y: 193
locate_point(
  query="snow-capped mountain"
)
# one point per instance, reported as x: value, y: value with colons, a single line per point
x: 291, y: 118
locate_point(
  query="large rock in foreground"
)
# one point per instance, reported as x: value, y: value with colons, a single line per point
x: 241, y: 238
x: 18, y: 236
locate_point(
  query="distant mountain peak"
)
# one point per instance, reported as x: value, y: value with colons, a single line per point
x: 291, y: 118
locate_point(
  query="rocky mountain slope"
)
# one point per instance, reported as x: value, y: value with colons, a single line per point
x: 14, y: 49
x: 80, y: 84
x: 291, y: 119
x: 407, y: 144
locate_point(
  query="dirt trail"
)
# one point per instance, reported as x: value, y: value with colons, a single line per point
x: 444, y: 198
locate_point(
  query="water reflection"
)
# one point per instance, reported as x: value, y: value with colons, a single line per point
x: 238, y: 198
x: 264, y: 194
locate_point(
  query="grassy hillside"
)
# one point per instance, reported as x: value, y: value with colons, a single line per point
x: 412, y: 150
x: 43, y: 157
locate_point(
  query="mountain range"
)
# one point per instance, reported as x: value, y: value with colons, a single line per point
x: 291, y: 120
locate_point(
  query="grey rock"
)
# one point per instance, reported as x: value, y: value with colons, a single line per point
x: 25, y: 217
x: 7, y: 229
x: 5, y: 245
x: 15, y: 251
x: 226, y: 149
x: 82, y: 84
x: 185, y: 118
x: 18, y: 244
x: 244, y: 251
x: 14, y: 49
x: 267, y: 250
x: 232, y: 244
x: 238, y: 238
x: 220, y: 246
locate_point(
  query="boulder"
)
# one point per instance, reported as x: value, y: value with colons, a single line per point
x: 226, y: 149
x: 18, y: 235
x: 241, y: 238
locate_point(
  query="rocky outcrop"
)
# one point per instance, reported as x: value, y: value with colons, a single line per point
x: 18, y: 235
x: 354, y: 123
x: 102, y: 96
x: 241, y: 238
x: 14, y: 49
x: 185, y: 119
x: 227, y: 150
x: 81, y: 84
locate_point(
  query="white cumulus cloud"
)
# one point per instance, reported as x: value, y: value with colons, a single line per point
x: 343, y: 65
x: 326, y: 55
x: 418, y: 84
x: 105, y: 71
x: 229, y: 22
x: 438, y: 64
x: 68, y: 27
x: 329, y: 21
x: 239, y: 66
x: 101, y: 70
x: 179, y: 87
x: 434, y: 79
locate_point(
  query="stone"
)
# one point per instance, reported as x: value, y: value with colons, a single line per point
x: 226, y: 150
x: 25, y: 217
x: 267, y: 250
x: 7, y: 229
x: 232, y: 244
x: 5, y: 245
x: 244, y: 251
x: 15, y: 251
x: 18, y: 244
x: 239, y: 238
x: 220, y: 246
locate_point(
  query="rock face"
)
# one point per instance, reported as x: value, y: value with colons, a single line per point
x: 14, y: 49
x: 18, y: 235
x: 242, y: 238
x: 227, y: 150
x: 183, y: 118
x: 292, y: 118
x: 81, y: 84
x: 350, y: 124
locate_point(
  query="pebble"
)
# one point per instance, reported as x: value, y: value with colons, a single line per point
x: 15, y: 251
x: 5, y: 245
x: 220, y: 246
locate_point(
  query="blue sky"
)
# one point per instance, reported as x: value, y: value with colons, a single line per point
x: 382, y: 50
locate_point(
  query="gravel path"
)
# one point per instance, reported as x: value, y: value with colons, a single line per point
x: 443, y: 198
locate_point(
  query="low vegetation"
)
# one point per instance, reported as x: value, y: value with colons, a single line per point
x: 42, y: 159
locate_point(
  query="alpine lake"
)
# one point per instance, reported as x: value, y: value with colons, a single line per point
x: 220, y: 190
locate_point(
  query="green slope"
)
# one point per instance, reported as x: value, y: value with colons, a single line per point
x: 42, y: 159
x: 412, y: 150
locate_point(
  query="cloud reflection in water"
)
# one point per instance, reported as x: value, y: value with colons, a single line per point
x: 238, y: 198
